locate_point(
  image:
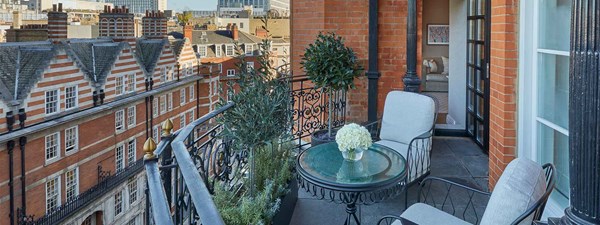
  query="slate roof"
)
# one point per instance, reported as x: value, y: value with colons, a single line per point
x: 207, y: 37
x: 32, y: 59
x: 148, y: 52
x: 95, y: 57
x: 177, y: 45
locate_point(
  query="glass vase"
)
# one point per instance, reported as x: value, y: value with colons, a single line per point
x: 353, y: 154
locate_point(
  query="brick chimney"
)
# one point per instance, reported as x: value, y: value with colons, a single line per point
x: 117, y: 23
x: 261, y: 33
x: 154, y: 25
x: 57, y: 23
x: 187, y: 31
x: 235, y: 32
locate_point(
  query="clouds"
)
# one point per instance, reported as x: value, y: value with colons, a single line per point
x: 180, y: 5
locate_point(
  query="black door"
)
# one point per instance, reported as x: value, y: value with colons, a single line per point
x: 478, y: 77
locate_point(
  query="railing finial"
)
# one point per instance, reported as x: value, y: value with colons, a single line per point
x: 149, y: 147
x: 167, y: 127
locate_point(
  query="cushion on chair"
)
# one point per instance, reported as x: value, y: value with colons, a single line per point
x: 522, y: 183
x: 446, y: 62
x: 403, y: 149
x: 424, y: 214
x: 406, y: 115
x: 436, y: 77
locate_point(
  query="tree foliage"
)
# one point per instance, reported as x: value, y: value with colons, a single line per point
x: 184, y: 18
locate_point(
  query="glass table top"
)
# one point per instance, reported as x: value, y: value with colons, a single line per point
x: 324, y: 164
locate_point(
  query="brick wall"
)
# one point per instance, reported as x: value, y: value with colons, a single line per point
x: 503, y: 86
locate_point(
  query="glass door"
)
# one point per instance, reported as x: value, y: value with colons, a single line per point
x: 478, y: 77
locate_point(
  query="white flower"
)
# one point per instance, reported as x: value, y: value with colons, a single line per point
x: 353, y: 136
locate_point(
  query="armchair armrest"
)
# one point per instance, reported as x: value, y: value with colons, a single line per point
x: 453, y: 196
x: 389, y: 220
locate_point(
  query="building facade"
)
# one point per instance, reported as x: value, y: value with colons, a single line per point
x: 77, y: 113
x: 141, y: 6
x: 508, y: 69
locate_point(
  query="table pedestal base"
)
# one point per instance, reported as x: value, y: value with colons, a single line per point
x: 351, y: 210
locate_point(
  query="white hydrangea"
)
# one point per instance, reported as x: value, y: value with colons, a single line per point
x: 353, y: 136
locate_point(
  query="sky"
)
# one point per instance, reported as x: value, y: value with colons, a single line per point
x: 180, y: 5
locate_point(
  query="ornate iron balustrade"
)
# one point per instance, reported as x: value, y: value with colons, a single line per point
x: 185, y: 167
x: 107, y: 184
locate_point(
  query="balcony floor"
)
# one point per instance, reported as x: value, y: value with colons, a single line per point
x: 457, y: 158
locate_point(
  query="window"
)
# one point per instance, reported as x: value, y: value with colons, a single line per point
x: 202, y: 50
x: 182, y: 121
x: 132, y: 187
x: 250, y: 65
x: 71, y: 139
x: 155, y: 108
x: 119, y: 120
x: 118, y: 203
x: 119, y: 160
x: 132, y: 221
x: 131, y: 117
x: 241, y: 25
x: 119, y: 85
x: 218, y: 50
x: 191, y: 115
x: 220, y: 67
x: 229, y: 50
x: 70, y: 97
x: 52, y: 102
x: 544, y: 101
x: 163, y: 104
x: 130, y: 83
x: 163, y: 74
x: 52, y: 146
x: 249, y: 49
x: 170, y: 101
x: 231, y: 72
x: 182, y: 96
x: 156, y: 133
x: 72, y: 184
x: 192, y: 93
x: 131, y: 154
x: 52, y: 194
x: 190, y: 69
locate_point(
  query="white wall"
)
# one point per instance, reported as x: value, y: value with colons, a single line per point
x: 458, y: 60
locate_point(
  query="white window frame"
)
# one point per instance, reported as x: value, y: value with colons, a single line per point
x: 131, y: 114
x: 218, y: 50
x: 74, y: 184
x: 170, y: 102
x: 132, y: 189
x: 56, y: 137
x: 56, y: 107
x: 190, y: 69
x: 130, y: 84
x: 192, y: 93
x: 229, y: 50
x: 131, y: 152
x: 155, y: 108
x: 249, y: 49
x: 527, y: 132
x: 57, y: 187
x: 202, y: 52
x: 120, y: 121
x: 191, y: 116
x: 182, y: 121
x: 182, y: 99
x: 156, y: 133
x: 73, y: 98
x: 74, y: 147
x: 231, y: 72
x: 220, y: 65
x: 163, y: 75
x: 119, y: 157
x: 163, y: 104
x: 120, y: 85
x: 118, y: 200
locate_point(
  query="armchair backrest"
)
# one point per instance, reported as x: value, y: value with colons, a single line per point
x: 406, y: 115
x: 520, y: 194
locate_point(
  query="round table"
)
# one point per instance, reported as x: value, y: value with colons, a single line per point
x: 379, y: 175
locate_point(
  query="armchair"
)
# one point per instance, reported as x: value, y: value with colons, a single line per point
x: 407, y: 127
x: 519, y: 198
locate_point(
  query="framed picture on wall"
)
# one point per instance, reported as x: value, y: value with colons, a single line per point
x: 438, y: 34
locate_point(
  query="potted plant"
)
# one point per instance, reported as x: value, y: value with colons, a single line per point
x: 332, y: 67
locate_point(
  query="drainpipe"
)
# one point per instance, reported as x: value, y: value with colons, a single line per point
x: 22, y: 142
x: 10, y: 145
x: 373, y: 73
x: 411, y: 80
x: 584, y: 120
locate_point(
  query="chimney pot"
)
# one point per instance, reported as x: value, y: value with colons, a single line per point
x: 53, y: 7
x: 60, y: 7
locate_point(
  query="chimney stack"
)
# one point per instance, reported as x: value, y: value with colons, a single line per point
x: 235, y: 32
x: 57, y: 23
x: 108, y: 20
x: 154, y: 25
x: 187, y: 31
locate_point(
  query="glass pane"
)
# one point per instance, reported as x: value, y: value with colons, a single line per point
x: 472, y: 7
x: 554, y: 148
x: 480, y: 29
x: 480, y: 130
x: 470, y: 52
x: 481, y: 8
x: 471, y: 77
x: 471, y: 100
x: 471, y: 122
x: 553, y: 89
x: 471, y: 30
x: 481, y: 80
x: 480, y: 106
x: 555, y: 21
x: 480, y: 54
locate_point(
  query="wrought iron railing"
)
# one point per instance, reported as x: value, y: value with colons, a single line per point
x: 185, y: 167
x: 107, y: 184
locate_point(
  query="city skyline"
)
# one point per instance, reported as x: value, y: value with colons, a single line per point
x: 180, y: 5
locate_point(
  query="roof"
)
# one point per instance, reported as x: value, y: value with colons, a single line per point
x: 148, y: 52
x: 177, y: 45
x: 95, y: 57
x: 31, y: 59
x: 208, y: 37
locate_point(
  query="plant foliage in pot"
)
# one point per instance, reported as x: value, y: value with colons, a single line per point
x: 332, y: 67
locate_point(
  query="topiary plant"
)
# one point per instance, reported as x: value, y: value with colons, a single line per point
x: 331, y: 66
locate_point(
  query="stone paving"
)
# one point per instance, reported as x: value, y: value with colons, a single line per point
x: 456, y: 158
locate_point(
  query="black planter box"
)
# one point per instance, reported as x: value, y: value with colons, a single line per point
x: 288, y: 204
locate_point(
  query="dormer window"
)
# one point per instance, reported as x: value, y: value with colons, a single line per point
x: 70, y: 97
x: 217, y: 50
x: 249, y: 49
x: 52, y: 105
x: 229, y: 50
x: 202, y: 50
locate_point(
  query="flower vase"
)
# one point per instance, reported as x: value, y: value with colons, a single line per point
x: 353, y: 154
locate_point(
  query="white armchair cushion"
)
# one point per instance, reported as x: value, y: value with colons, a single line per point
x: 406, y: 115
x: 521, y: 185
x: 424, y: 214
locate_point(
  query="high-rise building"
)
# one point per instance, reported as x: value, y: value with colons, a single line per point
x: 259, y: 7
x: 140, y: 6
